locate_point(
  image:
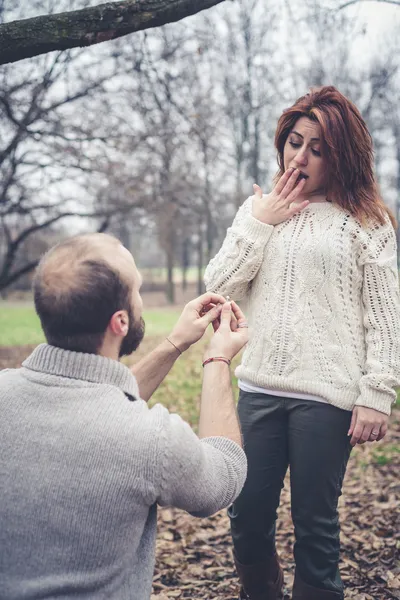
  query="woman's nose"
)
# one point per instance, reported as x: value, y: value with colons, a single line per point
x: 301, y: 158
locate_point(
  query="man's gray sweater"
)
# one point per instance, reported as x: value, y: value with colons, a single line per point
x: 84, y: 463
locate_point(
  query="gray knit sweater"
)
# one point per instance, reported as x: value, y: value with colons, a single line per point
x: 83, y: 464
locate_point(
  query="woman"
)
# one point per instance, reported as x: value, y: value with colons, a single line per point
x: 315, y: 260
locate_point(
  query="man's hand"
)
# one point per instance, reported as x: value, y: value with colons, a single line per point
x: 367, y: 425
x: 195, y: 318
x: 231, y: 335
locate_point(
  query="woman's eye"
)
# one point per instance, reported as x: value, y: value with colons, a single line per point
x: 315, y: 152
x: 294, y: 145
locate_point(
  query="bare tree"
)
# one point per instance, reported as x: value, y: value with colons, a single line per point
x: 156, y: 95
x: 251, y: 86
x: 52, y: 145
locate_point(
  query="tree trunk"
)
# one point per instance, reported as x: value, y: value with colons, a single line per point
x: 210, y: 235
x: 200, y: 283
x: 185, y: 262
x: 61, y: 31
x: 170, y: 277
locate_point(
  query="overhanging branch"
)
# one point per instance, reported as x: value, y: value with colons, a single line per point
x: 38, y: 35
x: 351, y: 2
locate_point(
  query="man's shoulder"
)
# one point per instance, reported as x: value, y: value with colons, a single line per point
x: 9, y: 374
x: 11, y: 383
x: 156, y: 416
x: 159, y: 420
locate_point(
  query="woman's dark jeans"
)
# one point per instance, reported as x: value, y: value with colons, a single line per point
x: 310, y: 437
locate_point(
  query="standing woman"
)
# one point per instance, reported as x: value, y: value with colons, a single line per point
x: 315, y: 260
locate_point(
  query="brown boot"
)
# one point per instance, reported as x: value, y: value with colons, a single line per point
x: 262, y: 581
x: 303, y: 591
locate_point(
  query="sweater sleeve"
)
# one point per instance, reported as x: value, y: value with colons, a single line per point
x: 199, y: 476
x: 239, y: 259
x: 381, y: 302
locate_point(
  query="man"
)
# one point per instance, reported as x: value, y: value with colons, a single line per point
x: 84, y: 461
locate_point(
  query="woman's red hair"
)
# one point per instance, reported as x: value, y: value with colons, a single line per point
x: 346, y: 146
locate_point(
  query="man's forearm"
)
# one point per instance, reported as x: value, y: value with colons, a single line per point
x: 218, y: 415
x: 152, y: 369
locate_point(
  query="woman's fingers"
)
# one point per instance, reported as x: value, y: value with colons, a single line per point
x: 295, y: 208
x: 257, y: 191
x: 367, y: 425
x: 239, y: 315
x: 366, y: 434
x: 283, y: 181
x: 291, y: 183
x: 353, y: 421
x: 357, y: 432
x: 296, y: 191
x: 234, y: 323
x: 374, y: 435
x: 382, y: 432
x: 235, y: 316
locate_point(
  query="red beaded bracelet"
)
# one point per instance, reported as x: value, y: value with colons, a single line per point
x: 215, y: 358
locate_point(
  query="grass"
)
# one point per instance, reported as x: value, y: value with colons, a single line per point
x: 19, y: 324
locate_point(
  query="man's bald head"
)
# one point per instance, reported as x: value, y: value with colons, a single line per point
x: 79, y: 284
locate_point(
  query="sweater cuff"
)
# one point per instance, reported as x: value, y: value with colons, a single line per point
x: 254, y: 230
x: 236, y: 458
x: 377, y: 400
x: 228, y: 447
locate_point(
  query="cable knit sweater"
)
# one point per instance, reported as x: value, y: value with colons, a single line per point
x: 82, y: 467
x: 322, y: 298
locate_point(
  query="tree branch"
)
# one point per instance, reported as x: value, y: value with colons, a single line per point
x: 350, y: 2
x: 39, y: 35
x: 7, y: 280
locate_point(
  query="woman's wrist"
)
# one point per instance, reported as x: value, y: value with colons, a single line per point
x: 216, y: 359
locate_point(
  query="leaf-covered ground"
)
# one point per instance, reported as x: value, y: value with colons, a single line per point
x: 194, y: 557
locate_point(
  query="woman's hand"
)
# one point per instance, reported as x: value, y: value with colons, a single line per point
x: 367, y: 425
x: 277, y: 206
x: 230, y: 332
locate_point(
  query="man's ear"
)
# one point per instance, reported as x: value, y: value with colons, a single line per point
x: 119, y: 323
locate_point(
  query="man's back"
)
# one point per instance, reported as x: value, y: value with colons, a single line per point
x: 83, y: 464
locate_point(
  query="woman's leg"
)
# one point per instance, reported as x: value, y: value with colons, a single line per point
x: 264, y: 424
x: 319, y: 449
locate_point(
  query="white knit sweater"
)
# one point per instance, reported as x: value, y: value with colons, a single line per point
x: 322, y: 299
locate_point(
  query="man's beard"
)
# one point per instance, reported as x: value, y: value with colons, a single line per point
x: 133, y: 338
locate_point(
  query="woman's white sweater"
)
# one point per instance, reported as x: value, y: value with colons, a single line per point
x: 323, y: 304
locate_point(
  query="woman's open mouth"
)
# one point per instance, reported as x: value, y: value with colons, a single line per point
x: 302, y: 176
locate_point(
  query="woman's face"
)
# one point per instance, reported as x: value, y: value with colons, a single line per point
x: 303, y: 151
